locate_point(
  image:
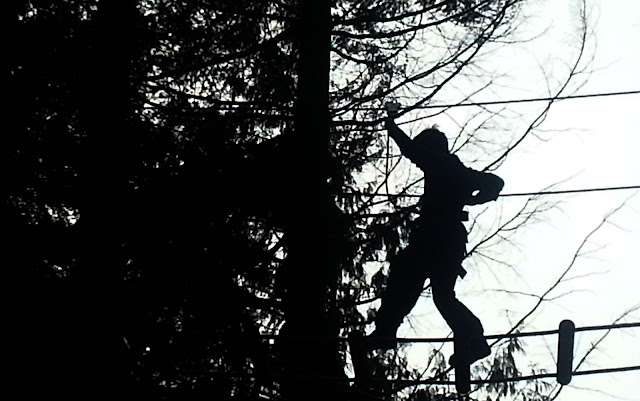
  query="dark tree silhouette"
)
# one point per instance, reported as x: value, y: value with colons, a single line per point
x: 177, y: 179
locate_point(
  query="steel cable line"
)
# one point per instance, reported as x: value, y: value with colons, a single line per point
x: 450, y: 339
x: 232, y: 104
x: 436, y: 380
x: 552, y: 192
x: 513, y: 101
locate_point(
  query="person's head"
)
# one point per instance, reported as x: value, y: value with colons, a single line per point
x: 432, y: 140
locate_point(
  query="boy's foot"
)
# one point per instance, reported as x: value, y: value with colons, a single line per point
x: 469, y: 353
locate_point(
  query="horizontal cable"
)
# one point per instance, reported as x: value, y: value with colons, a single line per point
x: 513, y: 101
x: 231, y: 105
x: 450, y: 339
x: 555, y: 192
x: 526, y: 334
x: 518, y: 378
x: 571, y: 191
x: 416, y: 382
x: 608, y: 326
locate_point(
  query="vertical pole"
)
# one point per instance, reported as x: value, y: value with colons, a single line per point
x: 566, y: 333
x: 103, y: 176
x: 311, y: 267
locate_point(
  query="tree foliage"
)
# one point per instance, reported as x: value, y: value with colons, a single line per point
x: 153, y: 163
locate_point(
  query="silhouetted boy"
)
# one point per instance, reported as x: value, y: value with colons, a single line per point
x: 437, y: 244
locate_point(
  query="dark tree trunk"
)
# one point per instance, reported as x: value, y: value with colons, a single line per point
x: 99, y: 280
x: 311, y: 263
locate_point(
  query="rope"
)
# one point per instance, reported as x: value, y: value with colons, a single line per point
x: 449, y: 339
x: 556, y: 192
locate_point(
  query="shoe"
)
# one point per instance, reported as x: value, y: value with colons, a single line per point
x: 469, y: 353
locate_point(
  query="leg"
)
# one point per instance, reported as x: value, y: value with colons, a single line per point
x: 404, y: 286
x: 467, y: 328
x: 458, y: 317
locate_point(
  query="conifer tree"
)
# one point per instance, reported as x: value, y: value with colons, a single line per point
x: 180, y: 178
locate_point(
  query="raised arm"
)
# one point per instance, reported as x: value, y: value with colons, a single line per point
x: 401, y: 139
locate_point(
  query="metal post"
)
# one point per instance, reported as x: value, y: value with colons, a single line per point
x: 566, y: 333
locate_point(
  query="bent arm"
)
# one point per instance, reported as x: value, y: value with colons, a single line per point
x: 488, y: 189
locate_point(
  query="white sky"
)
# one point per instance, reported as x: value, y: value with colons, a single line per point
x: 597, y: 142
